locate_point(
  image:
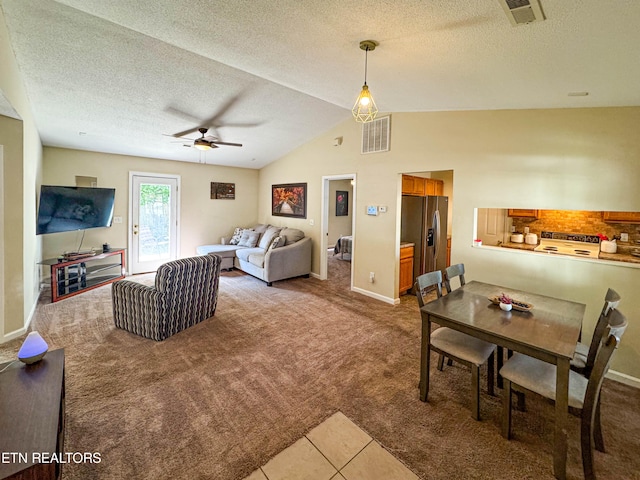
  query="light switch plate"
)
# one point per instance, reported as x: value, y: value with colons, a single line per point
x: 382, y: 209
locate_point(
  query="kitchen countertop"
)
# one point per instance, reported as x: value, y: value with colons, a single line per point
x: 519, y: 246
x: 623, y: 254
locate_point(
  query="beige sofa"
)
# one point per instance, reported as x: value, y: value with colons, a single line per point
x: 267, y: 252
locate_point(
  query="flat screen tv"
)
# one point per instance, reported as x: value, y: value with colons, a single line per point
x: 65, y: 209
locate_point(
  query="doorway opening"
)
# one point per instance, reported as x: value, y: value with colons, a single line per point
x: 337, y: 255
x: 153, y: 220
x: 425, y: 225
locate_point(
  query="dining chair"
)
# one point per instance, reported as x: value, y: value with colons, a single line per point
x: 524, y: 373
x: 585, y: 355
x: 463, y: 348
x: 453, y: 271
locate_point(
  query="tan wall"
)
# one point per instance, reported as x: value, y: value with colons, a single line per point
x: 574, y: 159
x: 202, y: 220
x: 22, y: 170
x: 339, y: 226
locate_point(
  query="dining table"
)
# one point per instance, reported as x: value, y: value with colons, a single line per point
x: 549, y: 331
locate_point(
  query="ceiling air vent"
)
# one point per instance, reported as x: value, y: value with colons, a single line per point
x: 375, y: 135
x: 521, y: 12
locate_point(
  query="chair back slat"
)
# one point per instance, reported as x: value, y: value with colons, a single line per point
x: 451, y: 272
x: 611, y: 302
x: 424, y: 281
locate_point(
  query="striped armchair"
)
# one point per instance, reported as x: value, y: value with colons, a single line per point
x: 185, y: 293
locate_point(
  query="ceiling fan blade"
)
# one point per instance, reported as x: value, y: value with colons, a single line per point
x: 227, y: 143
x: 185, y: 132
x: 222, y: 110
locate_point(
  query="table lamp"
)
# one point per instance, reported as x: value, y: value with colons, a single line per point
x: 33, y: 348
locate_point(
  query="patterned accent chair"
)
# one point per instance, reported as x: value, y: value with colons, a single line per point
x: 185, y: 293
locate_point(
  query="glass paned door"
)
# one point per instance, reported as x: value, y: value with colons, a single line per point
x: 154, y: 222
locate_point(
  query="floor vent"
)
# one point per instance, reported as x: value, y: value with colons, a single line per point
x: 375, y: 135
x: 522, y: 12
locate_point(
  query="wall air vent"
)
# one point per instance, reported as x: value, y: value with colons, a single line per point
x: 375, y: 135
x: 521, y: 12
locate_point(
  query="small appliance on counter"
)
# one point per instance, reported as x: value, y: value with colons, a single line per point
x: 607, y: 246
x: 517, y: 238
x: 531, y: 239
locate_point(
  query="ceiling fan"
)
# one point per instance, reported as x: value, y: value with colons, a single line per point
x: 207, y: 142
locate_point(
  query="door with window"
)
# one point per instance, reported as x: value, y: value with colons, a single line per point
x: 153, y: 232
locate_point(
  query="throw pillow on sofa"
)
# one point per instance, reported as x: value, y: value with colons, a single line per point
x: 268, y: 236
x: 249, y: 238
x: 292, y: 235
x: 237, y: 235
x: 277, y: 242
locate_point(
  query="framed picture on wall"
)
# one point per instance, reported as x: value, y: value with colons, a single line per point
x: 289, y: 200
x: 342, y: 203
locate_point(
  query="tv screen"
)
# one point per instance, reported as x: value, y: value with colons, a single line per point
x: 64, y: 209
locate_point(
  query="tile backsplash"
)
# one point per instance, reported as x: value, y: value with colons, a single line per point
x: 575, y: 221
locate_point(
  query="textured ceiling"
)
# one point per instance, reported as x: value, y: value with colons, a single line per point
x: 114, y: 76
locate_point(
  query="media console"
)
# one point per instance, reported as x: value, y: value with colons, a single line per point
x: 72, y: 276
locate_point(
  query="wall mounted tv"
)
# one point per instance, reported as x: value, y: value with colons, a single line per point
x: 65, y: 209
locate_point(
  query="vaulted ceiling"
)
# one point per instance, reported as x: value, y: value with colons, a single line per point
x: 119, y: 76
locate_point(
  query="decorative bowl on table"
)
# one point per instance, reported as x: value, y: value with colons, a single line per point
x: 515, y: 304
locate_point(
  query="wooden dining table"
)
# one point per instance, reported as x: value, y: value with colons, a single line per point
x: 549, y: 332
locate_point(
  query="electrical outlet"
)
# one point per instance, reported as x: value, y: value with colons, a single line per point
x: 624, y: 237
x: 117, y: 219
x: 372, y: 277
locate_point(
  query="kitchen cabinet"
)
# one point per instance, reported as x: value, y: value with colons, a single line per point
x: 516, y: 212
x: 420, y: 186
x: 412, y: 185
x: 434, y: 187
x: 621, y: 217
x: 406, y: 267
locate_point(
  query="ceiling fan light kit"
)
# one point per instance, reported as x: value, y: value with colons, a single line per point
x: 365, y: 110
x: 207, y: 142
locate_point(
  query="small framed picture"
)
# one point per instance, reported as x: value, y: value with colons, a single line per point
x: 342, y: 203
x: 289, y: 200
x: 223, y: 191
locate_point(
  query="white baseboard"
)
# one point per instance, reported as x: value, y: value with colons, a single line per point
x: 623, y: 378
x: 21, y: 331
x: 377, y: 296
x: 315, y: 275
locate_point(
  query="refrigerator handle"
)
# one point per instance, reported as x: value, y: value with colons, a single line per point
x: 436, y: 228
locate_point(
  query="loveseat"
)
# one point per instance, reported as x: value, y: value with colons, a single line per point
x: 267, y: 252
x: 185, y: 293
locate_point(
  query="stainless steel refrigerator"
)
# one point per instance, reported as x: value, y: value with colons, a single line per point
x: 424, y: 223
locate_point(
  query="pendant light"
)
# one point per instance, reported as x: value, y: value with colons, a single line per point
x: 365, y: 110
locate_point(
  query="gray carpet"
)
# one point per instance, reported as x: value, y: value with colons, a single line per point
x: 221, y: 398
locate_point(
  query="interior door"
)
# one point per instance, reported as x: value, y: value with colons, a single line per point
x: 153, y: 238
x: 491, y: 225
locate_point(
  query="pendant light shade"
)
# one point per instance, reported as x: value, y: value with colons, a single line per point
x: 365, y: 110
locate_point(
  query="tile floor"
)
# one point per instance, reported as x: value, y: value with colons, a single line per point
x: 337, y: 449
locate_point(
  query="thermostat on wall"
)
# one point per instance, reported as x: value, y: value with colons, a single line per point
x: 372, y: 210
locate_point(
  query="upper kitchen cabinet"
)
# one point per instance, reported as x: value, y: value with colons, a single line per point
x: 434, y: 187
x: 516, y: 212
x: 414, y: 185
x: 621, y: 217
x: 421, y: 186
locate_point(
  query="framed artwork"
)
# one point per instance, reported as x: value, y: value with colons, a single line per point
x: 289, y: 200
x: 223, y: 191
x: 342, y: 203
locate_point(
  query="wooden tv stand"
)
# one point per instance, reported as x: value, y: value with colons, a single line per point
x: 72, y: 276
x: 32, y: 418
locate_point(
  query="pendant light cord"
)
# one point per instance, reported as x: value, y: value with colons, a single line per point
x: 366, y: 56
